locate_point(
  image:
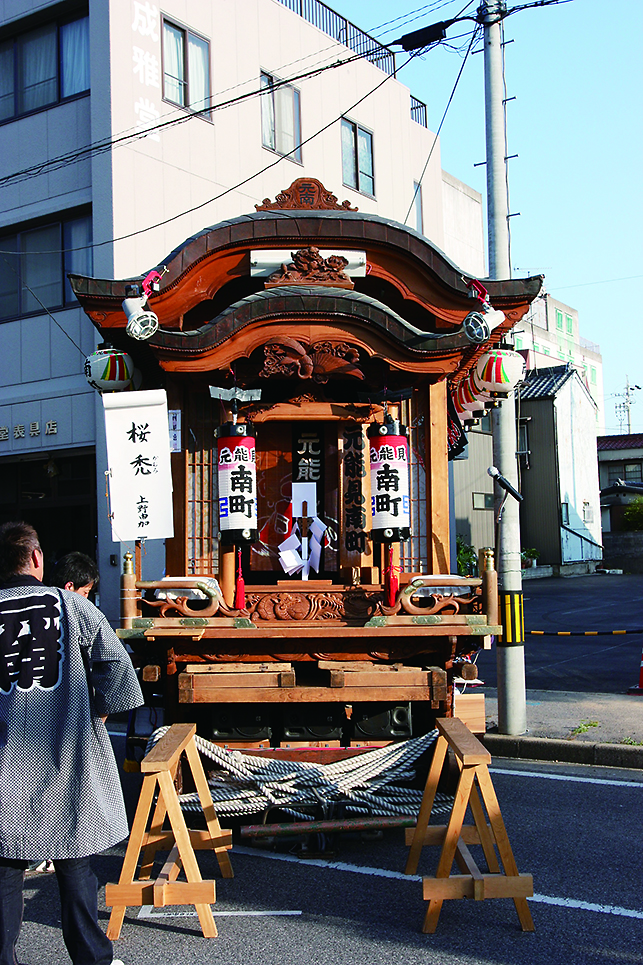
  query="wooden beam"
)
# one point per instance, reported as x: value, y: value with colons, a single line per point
x: 437, y: 484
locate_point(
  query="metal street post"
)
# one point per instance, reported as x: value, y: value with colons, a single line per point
x: 510, y: 651
x: 512, y: 716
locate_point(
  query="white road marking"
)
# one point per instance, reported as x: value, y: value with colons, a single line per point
x: 384, y: 873
x: 565, y: 777
x: 148, y: 911
x: 587, y: 906
x: 329, y: 865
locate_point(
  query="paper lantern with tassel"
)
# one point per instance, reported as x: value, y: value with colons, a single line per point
x: 237, y: 478
x: 389, y: 450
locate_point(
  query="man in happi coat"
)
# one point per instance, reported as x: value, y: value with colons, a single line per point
x: 62, y: 671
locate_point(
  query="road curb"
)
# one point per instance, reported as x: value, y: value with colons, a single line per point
x: 566, y: 751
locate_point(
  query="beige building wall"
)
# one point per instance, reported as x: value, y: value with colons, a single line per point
x: 201, y: 163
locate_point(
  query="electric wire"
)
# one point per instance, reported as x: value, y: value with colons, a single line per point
x: 135, y: 134
x: 239, y: 184
x: 40, y: 302
x: 181, y: 116
x: 437, y: 133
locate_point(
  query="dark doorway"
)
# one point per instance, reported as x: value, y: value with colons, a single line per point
x: 56, y: 493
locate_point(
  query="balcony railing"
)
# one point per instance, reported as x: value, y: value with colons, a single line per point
x: 418, y: 111
x: 342, y: 30
x: 345, y: 32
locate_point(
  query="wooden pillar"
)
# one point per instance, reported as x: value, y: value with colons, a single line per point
x: 437, y: 480
x: 128, y: 593
x: 228, y: 558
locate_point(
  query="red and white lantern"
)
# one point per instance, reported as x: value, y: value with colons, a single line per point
x: 237, y: 478
x: 499, y: 371
x: 390, y: 500
x: 109, y: 370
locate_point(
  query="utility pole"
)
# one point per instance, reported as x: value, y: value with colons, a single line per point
x: 510, y: 651
x: 623, y: 409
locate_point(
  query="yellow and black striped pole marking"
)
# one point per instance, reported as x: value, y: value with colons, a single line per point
x: 512, y: 619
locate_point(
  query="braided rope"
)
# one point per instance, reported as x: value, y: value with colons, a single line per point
x: 365, y: 784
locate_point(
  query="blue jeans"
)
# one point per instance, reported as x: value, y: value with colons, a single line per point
x: 86, y: 942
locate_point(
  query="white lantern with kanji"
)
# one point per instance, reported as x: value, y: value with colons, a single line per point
x: 237, y: 478
x: 109, y: 370
x: 390, y: 500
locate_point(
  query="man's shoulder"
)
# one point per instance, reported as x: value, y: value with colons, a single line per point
x: 80, y: 605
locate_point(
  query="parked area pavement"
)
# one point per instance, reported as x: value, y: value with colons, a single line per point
x: 604, y: 729
x: 578, y: 706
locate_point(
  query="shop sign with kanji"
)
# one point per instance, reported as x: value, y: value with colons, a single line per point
x: 138, y: 455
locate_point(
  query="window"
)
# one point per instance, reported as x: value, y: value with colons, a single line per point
x: 559, y: 320
x: 518, y: 343
x: 33, y: 272
x: 280, y: 117
x: 482, y: 500
x: 569, y: 324
x: 564, y: 514
x: 614, y: 472
x: 43, y: 66
x: 633, y: 472
x: 546, y: 351
x: 417, y: 205
x: 186, y: 68
x: 588, y: 512
x: 592, y: 371
x: 357, y: 158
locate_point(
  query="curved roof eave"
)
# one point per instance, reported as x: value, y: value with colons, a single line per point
x: 315, y: 227
x: 309, y: 301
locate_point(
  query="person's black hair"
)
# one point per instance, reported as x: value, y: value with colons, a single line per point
x: 17, y: 542
x: 75, y: 568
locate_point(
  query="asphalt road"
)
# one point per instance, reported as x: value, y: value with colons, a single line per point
x: 604, y: 664
x: 577, y: 830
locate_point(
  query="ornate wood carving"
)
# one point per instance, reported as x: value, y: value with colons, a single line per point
x: 308, y: 607
x: 320, y: 361
x: 309, y: 267
x: 305, y: 193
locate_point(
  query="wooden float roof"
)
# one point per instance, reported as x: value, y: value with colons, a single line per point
x: 424, y: 283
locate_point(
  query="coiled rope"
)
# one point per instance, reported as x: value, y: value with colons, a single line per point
x: 365, y: 784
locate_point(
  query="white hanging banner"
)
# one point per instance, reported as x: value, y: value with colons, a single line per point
x: 138, y: 456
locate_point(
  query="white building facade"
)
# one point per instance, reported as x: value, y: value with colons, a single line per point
x: 124, y: 129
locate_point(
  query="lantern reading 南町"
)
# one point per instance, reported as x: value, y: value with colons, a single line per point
x: 237, y: 478
x: 391, y: 506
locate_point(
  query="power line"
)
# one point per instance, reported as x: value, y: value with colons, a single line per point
x: 437, y: 133
x: 239, y: 184
x: 100, y: 147
x: 605, y: 281
x: 42, y: 305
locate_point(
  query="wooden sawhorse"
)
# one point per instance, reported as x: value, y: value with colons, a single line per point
x: 160, y: 767
x: 455, y: 837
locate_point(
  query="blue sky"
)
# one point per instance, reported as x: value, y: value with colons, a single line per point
x: 575, y: 70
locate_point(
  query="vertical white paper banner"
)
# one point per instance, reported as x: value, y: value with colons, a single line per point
x: 138, y: 456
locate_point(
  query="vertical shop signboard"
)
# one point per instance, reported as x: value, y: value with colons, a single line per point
x: 138, y: 456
